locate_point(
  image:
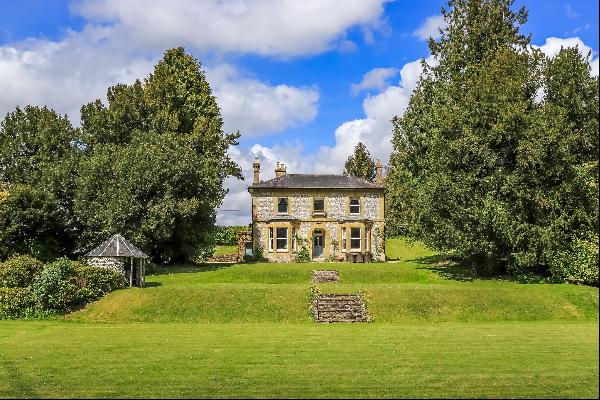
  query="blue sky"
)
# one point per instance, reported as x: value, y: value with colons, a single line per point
x: 302, y: 81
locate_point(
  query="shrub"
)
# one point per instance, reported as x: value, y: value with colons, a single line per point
x: 19, y: 271
x: 95, y: 282
x: 227, y: 235
x: 54, y: 289
x: 31, y: 224
x: 303, y: 255
x: 16, y: 302
x: 577, y: 261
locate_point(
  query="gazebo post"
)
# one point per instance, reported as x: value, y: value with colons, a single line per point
x: 131, y: 272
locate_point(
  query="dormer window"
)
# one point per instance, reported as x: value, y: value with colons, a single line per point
x: 282, y: 205
x: 354, y: 206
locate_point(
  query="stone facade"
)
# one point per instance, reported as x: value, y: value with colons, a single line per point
x: 301, y: 224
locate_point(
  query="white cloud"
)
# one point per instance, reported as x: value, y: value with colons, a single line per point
x: 256, y: 108
x: 553, y: 45
x: 266, y: 27
x: 374, y: 79
x: 236, y: 208
x: 375, y: 130
x: 594, y: 66
x: 65, y: 74
x: 430, y: 28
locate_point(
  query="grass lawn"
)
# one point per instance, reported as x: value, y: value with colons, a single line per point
x: 245, y: 331
x: 222, y: 250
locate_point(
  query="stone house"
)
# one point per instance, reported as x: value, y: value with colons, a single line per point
x: 336, y: 217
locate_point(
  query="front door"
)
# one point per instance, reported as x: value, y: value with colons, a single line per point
x: 317, y: 244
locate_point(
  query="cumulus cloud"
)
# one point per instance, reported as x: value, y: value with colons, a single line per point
x: 65, y: 74
x: 256, y: 108
x: 430, y: 28
x: 375, y: 130
x: 594, y: 66
x: 71, y: 72
x: 236, y: 208
x: 553, y: 45
x: 266, y: 27
x: 376, y: 78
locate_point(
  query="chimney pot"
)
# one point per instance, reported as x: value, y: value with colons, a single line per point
x: 256, y: 167
x: 378, y: 172
x: 280, y: 170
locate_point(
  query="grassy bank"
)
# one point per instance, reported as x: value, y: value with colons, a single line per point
x: 244, y: 330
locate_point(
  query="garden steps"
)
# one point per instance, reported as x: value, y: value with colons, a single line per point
x: 328, y: 308
x: 325, y: 276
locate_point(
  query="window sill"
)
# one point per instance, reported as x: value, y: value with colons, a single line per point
x: 282, y: 251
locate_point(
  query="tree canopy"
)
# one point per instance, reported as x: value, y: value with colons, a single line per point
x: 360, y: 164
x: 496, y: 156
x: 149, y: 164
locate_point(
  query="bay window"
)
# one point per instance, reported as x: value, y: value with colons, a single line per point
x: 355, y: 238
x: 282, y: 239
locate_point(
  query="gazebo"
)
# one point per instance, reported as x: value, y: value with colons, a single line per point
x: 121, y: 255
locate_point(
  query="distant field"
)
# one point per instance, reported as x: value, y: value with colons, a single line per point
x: 222, y: 250
x: 245, y: 331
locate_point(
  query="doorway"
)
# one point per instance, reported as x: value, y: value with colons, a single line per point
x: 317, y: 248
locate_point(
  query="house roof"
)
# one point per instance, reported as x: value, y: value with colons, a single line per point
x: 116, y: 246
x: 314, y: 181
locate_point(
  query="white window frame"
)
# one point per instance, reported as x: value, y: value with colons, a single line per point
x: 270, y: 239
x: 319, y: 212
x: 367, y: 239
x: 344, y: 240
x: 287, y: 205
x: 350, y: 206
x: 354, y: 238
x: 294, y: 239
x: 278, y: 238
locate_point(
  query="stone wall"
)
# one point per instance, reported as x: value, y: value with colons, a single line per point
x: 336, y: 204
x: 115, y: 263
x: 242, y: 238
x: 301, y: 218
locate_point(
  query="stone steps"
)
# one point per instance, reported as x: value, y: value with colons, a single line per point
x: 325, y: 276
x: 328, y: 308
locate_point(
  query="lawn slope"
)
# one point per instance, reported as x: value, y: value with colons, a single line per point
x: 245, y: 330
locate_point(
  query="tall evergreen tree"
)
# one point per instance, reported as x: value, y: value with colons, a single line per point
x: 360, y: 164
x: 461, y: 171
x: 157, y: 161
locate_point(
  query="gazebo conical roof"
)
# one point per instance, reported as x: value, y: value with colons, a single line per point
x: 116, y: 246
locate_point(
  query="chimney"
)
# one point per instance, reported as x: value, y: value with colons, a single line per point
x: 378, y: 172
x: 280, y: 170
x: 256, y: 167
